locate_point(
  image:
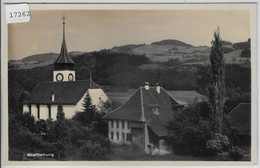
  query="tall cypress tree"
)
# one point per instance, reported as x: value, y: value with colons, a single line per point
x: 217, y: 83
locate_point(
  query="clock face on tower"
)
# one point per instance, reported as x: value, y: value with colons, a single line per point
x: 59, y: 77
x: 70, y: 77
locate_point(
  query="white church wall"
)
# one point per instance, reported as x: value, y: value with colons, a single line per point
x: 34, y: 111
x: 65, y: 74
x: 54, y: 110
x: 44, y: 112
x: 25, y: 108
x: 79, y: 105
x: 69, y: 111
x: 98, y: 97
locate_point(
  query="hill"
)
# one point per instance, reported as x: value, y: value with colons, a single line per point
x: 126, y: 48
x: 40, y: 57
x: 175, y: 53
x: 38, y: 60
x: 162, y: 54
x: 172, y: 42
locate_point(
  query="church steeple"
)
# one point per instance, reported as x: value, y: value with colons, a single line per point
x: 64, y: 58
x: 64, y: 64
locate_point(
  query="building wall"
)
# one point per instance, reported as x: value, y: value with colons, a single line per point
x: 26, y: 108
x: 54, y: 110
x: 120, y: 130
x: 34, y: 111
x: 44, y: 112
x: 97, y: 97
x: 69, y: 111
x: 138, y: 137
x: 65, y: 74
x: 144, y: 137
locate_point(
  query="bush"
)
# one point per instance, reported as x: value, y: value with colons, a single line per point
x: 103, y: 141
x: 236, y: 153
x: 59, y: 149
x: 93, y: 151
x: 190, y: 132
x: 219, y: 143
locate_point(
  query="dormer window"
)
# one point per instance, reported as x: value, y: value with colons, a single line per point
x: 155, y: 109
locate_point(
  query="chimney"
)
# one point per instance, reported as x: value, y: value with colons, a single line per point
x: 52, y: 97
x: 158, y: 88
x: 146, y: 85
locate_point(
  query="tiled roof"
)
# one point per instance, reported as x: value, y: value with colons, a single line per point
x: 130, y: 110
x: 241, y: 118
x: 65, y: 92
x: 141, y: 106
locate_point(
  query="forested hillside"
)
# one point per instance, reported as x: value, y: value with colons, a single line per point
x: 123, y: 70
x: 117, y: 72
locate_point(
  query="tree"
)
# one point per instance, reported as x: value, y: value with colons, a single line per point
x: 217, y: 83
x: 190, y: 132
x: 88, y: 115
x: 190, y: 129
x: 26, y: 121
x: 60, y: 113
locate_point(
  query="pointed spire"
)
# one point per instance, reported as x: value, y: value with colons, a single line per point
x: 63, y: 18
x: 64, y: 58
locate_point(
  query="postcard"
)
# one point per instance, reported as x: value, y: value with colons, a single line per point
x: 130, y: 85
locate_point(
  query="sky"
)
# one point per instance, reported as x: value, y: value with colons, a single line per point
x: 93, y: 30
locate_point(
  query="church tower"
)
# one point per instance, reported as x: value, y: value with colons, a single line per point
x: 64, y: 67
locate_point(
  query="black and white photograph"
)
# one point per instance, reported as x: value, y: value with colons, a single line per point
x: 169, y: 82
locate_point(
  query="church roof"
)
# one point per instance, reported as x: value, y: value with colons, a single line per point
x: 64, y: 92
x: 141, y: 107
x: 240, y: 118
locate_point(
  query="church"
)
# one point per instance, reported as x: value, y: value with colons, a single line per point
x: 63, y: 89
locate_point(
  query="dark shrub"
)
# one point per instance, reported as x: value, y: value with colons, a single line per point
x: 103, y: 141
x: 218, y: 143
x: 93, y: 151
x: 236, y: 153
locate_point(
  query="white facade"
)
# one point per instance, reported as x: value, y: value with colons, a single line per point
x: 65, y: 74
x: 98, y: 97
x: 119, y: 131
x: 44, y: 112
x: 34, y: 110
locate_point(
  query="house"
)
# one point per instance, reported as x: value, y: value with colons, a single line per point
x: 240, y: 118
x: 142, y: 119
x: 64, y: 89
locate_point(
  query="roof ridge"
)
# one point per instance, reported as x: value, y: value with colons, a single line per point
x: 122, y: 104
x: 170, y: 95
x: 236, y: 108
x: 31, y: 93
